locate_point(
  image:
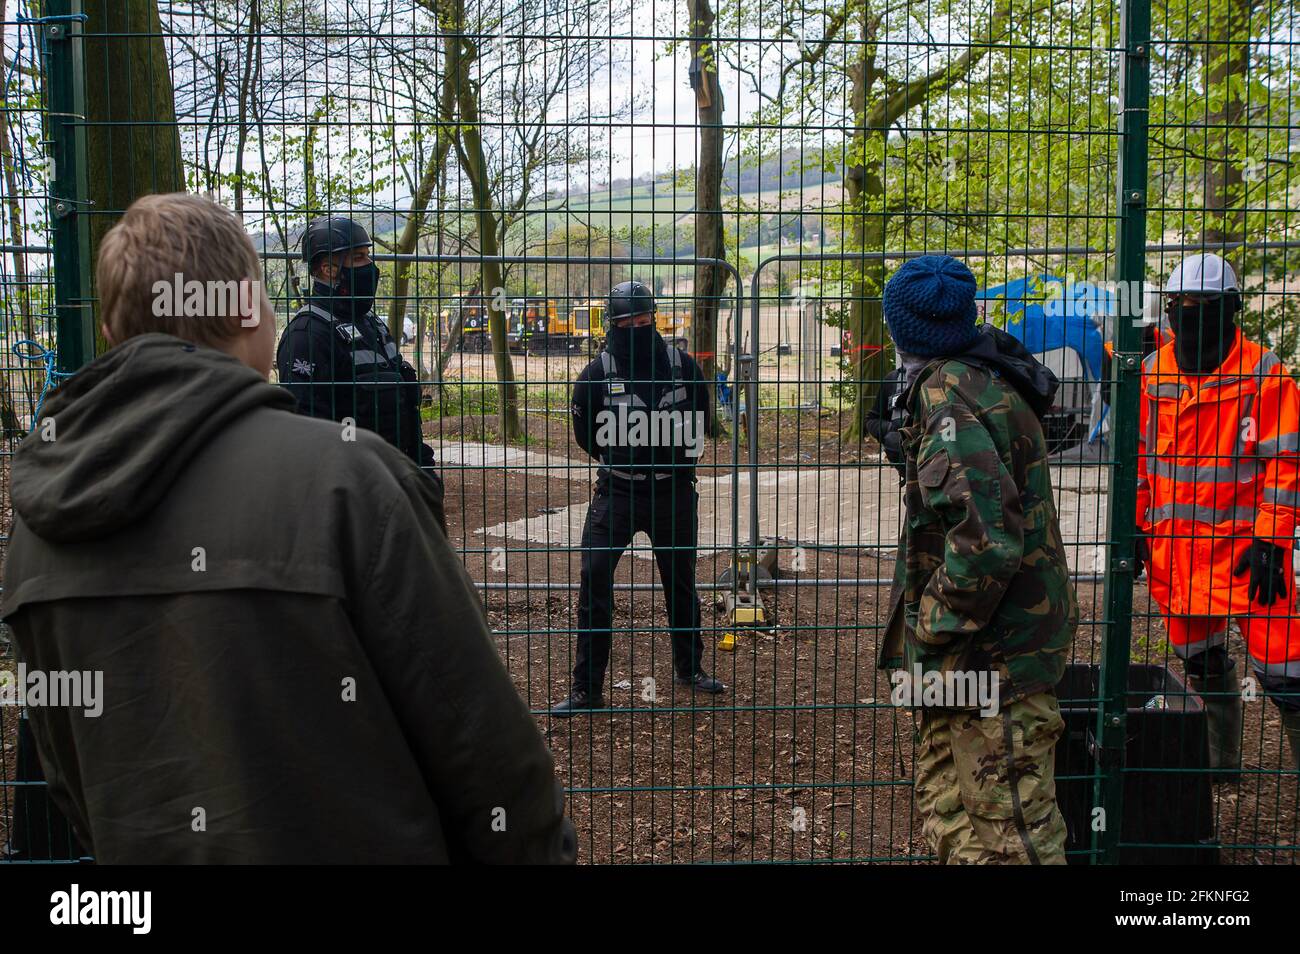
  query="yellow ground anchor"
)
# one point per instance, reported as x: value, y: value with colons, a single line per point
x: 745, y: 611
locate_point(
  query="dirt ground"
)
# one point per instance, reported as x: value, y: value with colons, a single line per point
x: 803, y: 759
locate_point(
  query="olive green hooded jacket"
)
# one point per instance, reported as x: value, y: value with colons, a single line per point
x: 296, y: 666
x: 982, y: 584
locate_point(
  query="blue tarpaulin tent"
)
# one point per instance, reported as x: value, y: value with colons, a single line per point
x: 1047, y: 318
x: 1047, y: 314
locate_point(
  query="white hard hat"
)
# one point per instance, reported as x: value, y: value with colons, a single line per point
x: 1202, y: 274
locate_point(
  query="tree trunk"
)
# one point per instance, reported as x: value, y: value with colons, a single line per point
x: 252, y: 65
x: 867, y: 344
x: 1225, y: 65
x: 408, y: 241
x: 453, y: 342
x: 460, y: 52
x: 864, y: 347
x: 709, y: 280
x: 133, y: 144
x: 311, y: 199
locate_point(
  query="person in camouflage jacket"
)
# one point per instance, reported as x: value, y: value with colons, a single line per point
x: 983, y: 608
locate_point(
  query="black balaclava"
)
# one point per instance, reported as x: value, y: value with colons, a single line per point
x: 1204, y: 332
x: 353, y: 293
x: 638, y: 349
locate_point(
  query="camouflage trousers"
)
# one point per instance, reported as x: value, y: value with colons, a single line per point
x: 986, y: 786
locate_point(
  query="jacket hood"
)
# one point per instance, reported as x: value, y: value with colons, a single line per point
x: 1005, y: 355
x: 124, y: 427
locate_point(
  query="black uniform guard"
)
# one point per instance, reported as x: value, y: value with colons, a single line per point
x: 641, y: 409
x: 339, y: 360
x: 887, y: 417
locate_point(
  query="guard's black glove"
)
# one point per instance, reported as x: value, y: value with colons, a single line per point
x: 429, y: 464
x: 1141, y: 553
x: 411, y: 396
x: 892, y: 443
x: 1268, y: 565
x: 893, y: 446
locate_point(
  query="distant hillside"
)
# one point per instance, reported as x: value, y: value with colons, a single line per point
x: 665, y: 200
x: 382, y: 224
x: 792, y: 169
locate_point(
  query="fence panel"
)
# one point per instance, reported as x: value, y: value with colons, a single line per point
x: 39, y: 251
x: 763, y: 167
x: 1220, y: 178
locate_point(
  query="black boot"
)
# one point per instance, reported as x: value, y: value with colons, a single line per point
x: 701, y: 682
x: 579, y: 701
x: 1291, y: 728
x: 1222, y: 697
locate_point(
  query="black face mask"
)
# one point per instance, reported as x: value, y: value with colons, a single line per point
x: 355, y: 287
x: 638, y: 346
x: 1204, y: 333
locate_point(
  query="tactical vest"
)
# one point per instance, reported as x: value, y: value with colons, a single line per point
x: 643, y: 463
x: 370, y: 384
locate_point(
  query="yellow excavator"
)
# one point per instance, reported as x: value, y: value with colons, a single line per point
x: 675, y: 328
x: 580, y: 331
x: 583, y: 331
x: 473, y: 311
x: 528, y: 319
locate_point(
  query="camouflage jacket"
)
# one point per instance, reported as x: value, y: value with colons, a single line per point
x: 981, y: 581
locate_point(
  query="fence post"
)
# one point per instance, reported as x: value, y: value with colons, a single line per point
x: 65, y: 111
x: 1130, y: 245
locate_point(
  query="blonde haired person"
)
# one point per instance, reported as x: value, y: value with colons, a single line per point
x: 295, y: 665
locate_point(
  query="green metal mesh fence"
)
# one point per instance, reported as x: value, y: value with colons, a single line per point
x: 763, y: 165
x: 28, y: 343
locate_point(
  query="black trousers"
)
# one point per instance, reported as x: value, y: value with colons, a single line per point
x: 667, y: 511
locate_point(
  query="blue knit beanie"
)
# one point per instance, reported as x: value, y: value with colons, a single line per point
x: 930, y: 306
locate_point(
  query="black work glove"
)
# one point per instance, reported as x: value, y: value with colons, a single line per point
x: 430, y: 467
x: 892, y: 443
x: 1141, y: 553
x: 411, y: 394
x: 893, y: 446
x: 1268, y: 565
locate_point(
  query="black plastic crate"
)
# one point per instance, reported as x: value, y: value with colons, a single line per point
x: 1168, y: 816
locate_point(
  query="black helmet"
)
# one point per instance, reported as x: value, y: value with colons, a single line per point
x: 331, y: 233
x: 629, y: 298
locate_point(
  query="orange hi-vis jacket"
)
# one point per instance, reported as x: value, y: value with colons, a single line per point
x: 1218, y: 466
